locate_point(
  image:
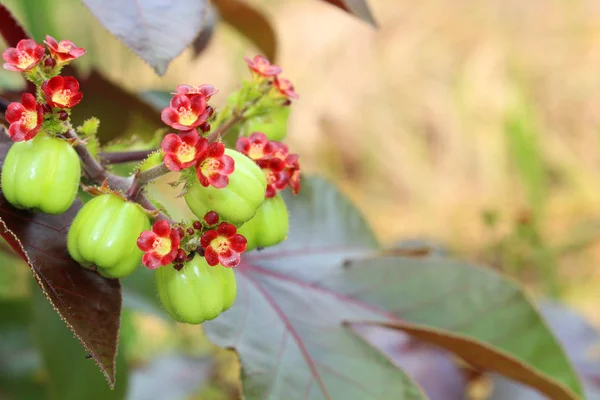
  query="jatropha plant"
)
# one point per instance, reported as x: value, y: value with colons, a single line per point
x: 230, y: 183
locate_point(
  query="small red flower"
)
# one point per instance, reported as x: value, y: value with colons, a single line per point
x: 274, y: 170
x: 214, y: 166
x: 161, y: 245
x: 256, y: 146
x: 62, y: 92
x: 186, y: 112
x: 261, y: 66
x: 183, y: 150
x: 285, y: 87
x: 25, y: 118
x: 207, y: 91
x: 223, y: 245
x: 63, y: 51
x: 24, y: 57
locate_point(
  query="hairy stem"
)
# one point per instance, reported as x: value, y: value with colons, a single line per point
x: 151, y: 174
x: 118, y: 157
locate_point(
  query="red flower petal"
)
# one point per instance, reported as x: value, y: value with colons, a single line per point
x: 162, y: 228
x: 169, y: 116
x: 215, y: 150
x: 197, y: 105
x: 211, y: 256
x: 208, y: 237
x: 178, y: 101
x: 189, y: 137
x: 172, y: 163
x: 227, y: 230
x: 152, y: 260
x: 70, y: 83
x: 170, y: 257
x: 28, y: 101
x: 227, y: 165
x: 238, y: 243
x: 170, y: 143
x: 14, y: 111
x: 229, y: 259
x: 175, y: 239
x: 219, y: 181
x: 18, y: 132
x: 146, y: 240
x: 243, y: 145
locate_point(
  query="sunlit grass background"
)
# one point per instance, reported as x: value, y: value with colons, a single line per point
x: 474, y: 124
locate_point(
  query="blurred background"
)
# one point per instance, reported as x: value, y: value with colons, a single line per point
x: 472, y: 124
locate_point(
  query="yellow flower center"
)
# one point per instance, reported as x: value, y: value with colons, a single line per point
x: 62, y: 97
x: 186, y: 153
x: 162, y: 246
x: 220, y: 244
x: 29, y: 119
x: 186, y: 116
x: 209, y: 166
x: 256, y: 151
x: 64, y: 47
x: 24, y: 61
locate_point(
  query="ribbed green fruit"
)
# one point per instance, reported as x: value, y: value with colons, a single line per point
x: 273, y: 125
x: 196, y: 293
x: 269, y: 226
x: 41, y: 174
x: 104, y: 235
x: 236, y: 203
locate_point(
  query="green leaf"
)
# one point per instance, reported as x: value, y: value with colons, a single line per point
x: 294, y: 298
x: 72, y: 375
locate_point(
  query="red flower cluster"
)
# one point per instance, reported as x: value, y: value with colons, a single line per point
x: 24, y: 57
x: 188, y: 109
x: 63, y: 51
x: 161, y: 245
x: 28, y: 53
x: 279, y: 166
x: 25, y: 118
x: 223, y: 245
x: 261, y: 67
x: 188, y: 149
x: 62, y: 92
x: 188, y: 112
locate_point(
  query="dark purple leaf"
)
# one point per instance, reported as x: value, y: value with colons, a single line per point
x: 89, y: 304
x: 251, y: 23
x: 156, y: 30
x: 293, y: 300
x: 206, y: 33
x: 359, y: 8
x: 10, y: 29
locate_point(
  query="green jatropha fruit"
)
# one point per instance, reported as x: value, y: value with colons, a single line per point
x: 41, y: 174
x: 104, y: 233
x: 236, y: 202
x: 197, y: 292
x: 274, y: 124
x: 269, y: 226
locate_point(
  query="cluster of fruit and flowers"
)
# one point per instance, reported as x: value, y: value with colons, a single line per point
x: 234, y: 192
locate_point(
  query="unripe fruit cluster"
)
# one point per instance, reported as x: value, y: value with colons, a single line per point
x: 234, y: 193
